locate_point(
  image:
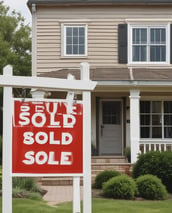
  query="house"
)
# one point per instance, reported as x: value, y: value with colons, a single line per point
x: 128, y: 45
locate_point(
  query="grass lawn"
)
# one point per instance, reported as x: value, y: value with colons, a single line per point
x: 99, y: 206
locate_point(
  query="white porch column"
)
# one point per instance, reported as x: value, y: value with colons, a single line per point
x: 134, y: 123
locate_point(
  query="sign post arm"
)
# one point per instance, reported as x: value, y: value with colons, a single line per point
x: 87, y: 204
x: 7, y: 146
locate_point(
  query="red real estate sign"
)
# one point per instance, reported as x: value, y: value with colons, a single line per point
x: 47, y: 139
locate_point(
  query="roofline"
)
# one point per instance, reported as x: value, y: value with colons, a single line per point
x: 96, y: 2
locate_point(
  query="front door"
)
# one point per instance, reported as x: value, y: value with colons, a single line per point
x: 110, y: 127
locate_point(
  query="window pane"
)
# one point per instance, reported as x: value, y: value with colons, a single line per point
x: 158, y: 36
x: 167, y: 106
x: 75, y: 31
x: 145, y: 106
x: 69, y: 49
x: 143, y: 36
x: 111, y: 112
x: 156, y: 120
x: 168, y: 132
x: 81, y: 31
x: 145, y: 132
x: 75, y: 49
x: 75, y: 40
x: 69, y: 40
x: 68, y: 31
x: 157, y: 53
x: 156, y: 106
x: 145, y: 119
x: 81, y: 49
x: 81, y: 40
x: 156, y: 132
x: 139, y: 53
x: 163, y: 36
x: 135, y: 36
x: 167, y: 119
x: 139, y: 36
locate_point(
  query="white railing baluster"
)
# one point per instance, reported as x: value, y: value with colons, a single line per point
x: 155, y: 146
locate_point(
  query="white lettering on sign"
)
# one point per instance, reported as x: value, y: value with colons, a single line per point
x: 39, y: 118
x: 43, y: 137
x: 42, y: 158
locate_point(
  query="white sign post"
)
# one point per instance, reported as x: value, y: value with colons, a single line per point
x: 85, y: 86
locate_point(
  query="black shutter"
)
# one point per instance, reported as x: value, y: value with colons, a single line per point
x: 122, y: 44
x: 170, y: 43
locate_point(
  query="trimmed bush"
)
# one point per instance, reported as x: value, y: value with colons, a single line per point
x: 103, y: 177
x: 150, y: 187
x: 155, y: 163
x: 120, y: 187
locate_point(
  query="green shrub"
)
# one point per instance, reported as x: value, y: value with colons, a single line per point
x: 155, y: 163
x: 22, y: 193
x: 103, y: 177
x: 28, y: 184
x: 19, y: 193
x: 150, y: 187
x: 120, y: 187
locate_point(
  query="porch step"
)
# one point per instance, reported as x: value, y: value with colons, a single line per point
x: 98, y: 165
x: 108, y: 159
x: 120, y: 167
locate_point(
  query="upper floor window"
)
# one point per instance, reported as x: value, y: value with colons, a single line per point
x: 74, y: 40
x: 149, y: 44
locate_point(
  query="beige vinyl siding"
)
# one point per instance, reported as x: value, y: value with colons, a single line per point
x: 102, y: 26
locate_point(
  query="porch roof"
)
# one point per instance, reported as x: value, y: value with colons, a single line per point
x: 117, y: 74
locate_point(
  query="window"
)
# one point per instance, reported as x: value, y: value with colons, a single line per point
x: 111, y: 112
x: 149, y: 44
x: 74, y: 40
x: 156, y: 119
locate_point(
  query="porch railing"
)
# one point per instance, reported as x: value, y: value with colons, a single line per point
x: 146, y: 146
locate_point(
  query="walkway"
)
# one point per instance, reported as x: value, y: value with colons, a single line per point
x: 59, y: 194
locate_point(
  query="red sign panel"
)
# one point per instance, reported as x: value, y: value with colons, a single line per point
x: 47, y: 139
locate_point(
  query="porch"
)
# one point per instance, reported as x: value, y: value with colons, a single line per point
x: 141, y: 121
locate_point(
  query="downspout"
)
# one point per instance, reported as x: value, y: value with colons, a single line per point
x: 34, y: 40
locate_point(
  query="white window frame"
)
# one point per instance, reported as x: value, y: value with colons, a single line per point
x: 63, y: 40
x: 148, y: 25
